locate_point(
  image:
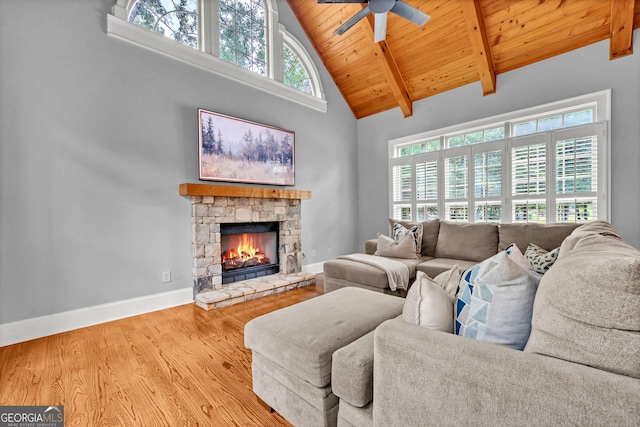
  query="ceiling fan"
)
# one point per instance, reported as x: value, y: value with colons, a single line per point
x: 379, y: 8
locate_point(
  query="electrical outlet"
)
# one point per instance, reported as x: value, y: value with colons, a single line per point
x: 329, y: 251
x: 313, y: 253
x: 166, y: 276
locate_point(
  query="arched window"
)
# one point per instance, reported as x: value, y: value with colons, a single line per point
x: 220, y: 36
x: 298, y: 71
x: 294, y: 73
x: 177, y: 21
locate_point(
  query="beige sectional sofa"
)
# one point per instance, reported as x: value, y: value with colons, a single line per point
x: 580, y: 365
x: 445, y: 244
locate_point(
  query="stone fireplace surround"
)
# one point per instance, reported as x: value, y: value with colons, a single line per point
x: 212, y: 205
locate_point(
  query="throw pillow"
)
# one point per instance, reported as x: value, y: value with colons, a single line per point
x: 403, y: 248
x: 539, y: 258
x: 398, y: 231
x: 495, y: 300
x: 429, y: 302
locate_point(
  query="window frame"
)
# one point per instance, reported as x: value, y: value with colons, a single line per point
x: 206, y: 57
x: 600, y: 102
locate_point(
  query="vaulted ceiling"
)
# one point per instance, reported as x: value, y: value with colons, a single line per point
x: 464, y: 41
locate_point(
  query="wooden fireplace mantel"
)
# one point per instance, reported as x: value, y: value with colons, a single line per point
x: 190, y: 189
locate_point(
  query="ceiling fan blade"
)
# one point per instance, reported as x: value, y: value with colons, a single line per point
x: 380, y: 28
x: 353, y: 20
x: 410, y: 13
x: 341, y: 1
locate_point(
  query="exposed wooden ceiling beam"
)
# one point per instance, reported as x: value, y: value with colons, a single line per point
x: 391, y: 72
x: 480, y: 44
x: 621, y: 38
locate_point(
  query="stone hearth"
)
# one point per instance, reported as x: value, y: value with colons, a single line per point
x: 212, y: 205
x: 247, y: 290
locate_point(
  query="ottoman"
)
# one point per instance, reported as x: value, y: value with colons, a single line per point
x: 292, y: 350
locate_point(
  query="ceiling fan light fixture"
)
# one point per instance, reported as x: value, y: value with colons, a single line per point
x: 380, y: 9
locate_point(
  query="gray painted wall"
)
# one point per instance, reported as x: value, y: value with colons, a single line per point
x: 96, y: 134
x: 576, y: 73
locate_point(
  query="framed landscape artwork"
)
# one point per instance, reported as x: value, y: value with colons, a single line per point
x: 238, y: 150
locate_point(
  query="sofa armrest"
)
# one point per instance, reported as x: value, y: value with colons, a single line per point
x: 370, y: 246
x: 426, y: 377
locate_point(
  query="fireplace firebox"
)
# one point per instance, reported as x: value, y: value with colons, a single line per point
x: 249, y: 250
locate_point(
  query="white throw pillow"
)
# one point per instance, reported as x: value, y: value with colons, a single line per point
x: 403, y: 248
x: 430, y: 302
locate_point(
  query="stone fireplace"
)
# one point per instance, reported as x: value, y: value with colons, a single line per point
x: 215, y: 209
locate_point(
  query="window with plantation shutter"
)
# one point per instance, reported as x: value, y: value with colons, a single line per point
x: 576, y: 174
x: 456, y: 172
x: 544, y: 167
x: 402, y: 191
x: 529, y: 179
x: 488, y: 186
x: 426, y: 189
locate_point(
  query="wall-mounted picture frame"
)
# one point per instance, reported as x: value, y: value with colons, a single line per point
x: 238, y: 150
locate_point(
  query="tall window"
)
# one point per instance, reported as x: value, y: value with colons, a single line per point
x: 547, y: 167
x: 240, y: 32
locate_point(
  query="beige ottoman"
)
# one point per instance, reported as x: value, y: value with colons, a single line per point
x: 292, y: 350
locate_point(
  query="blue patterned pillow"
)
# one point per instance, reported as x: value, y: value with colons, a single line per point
x: 495, y: 300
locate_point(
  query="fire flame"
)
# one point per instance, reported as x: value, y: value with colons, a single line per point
x: 245, y: 250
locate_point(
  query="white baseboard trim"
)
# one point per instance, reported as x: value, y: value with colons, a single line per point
x: 313, y: 268
x: 38, y: 327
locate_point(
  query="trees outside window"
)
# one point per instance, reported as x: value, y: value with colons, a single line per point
x: 294, y: 73
x: 175, y: 19
x: 243, y: 34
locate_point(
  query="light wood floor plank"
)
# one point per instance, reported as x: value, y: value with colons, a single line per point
x: 182, y: 366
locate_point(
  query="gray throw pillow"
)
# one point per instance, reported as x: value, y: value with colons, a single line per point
x: 403, y: 248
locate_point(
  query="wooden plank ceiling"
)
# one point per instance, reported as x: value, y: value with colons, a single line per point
x: 464, y: 41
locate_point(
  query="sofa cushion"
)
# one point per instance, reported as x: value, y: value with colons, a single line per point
x: 302, y: 338
x: 472, y: 242
x: 352, y: 371
x: 403, y: 247
x: 540, y: 259
x: 547, y: 236
x: 586, y: 309
x: 352, y: 416
x: 429, y: 302
x: 435, y: 266
x: 495, y: 300
x: 430, y: 231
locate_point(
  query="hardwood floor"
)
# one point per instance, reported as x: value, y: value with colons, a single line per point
x: 177, y: 367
